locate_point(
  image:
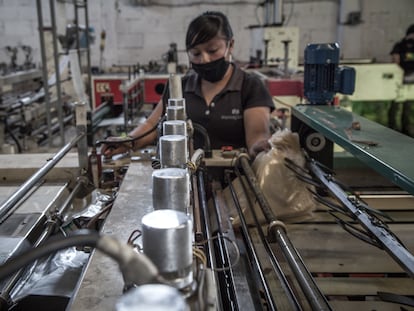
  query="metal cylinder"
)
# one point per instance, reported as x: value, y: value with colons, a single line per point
x: 175, y: 127
x: 173, y: 151
x: 166, y: 240
x: 175, y: 86
x: 151, y: 297
x: 177, y: 102
x: 176, y: 113
x: 171, y: 189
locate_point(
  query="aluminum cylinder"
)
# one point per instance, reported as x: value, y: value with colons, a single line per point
x: 176, y: 102
x: 152, y: 297
x: 176, y: 113
x: 175, y: 86
x: 173, y: 151
x: 166, y: 240
x: 171, y: 189
x: 175, y: 127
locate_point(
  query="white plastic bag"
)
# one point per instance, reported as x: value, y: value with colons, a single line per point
x: 288, y: 197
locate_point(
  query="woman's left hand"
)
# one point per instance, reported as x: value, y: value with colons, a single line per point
x: 259, y: 146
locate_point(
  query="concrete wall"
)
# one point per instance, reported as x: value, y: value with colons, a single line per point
x: 141, y: 31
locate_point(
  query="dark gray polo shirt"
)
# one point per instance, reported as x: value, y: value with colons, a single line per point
x: 223, y: 118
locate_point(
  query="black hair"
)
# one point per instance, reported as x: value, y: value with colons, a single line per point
x: 410, y: 30
x: 206, y: 26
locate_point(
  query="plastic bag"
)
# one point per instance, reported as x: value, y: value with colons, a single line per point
x: 288, y: 197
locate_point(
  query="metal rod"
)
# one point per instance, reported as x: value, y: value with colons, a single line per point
x: 35, y: 178
x: 88, y: 56
x: 207, y: 227
x: 198, y: 232
x: 50, y: 228
x: 81, y: 182
x: 82, y: 129
x: 226, y: 276
x: 308, y: 285
x: 75, y: 7
x: 125, y: 96
x: 250, y: 247
x: 272, y: 257
x: 44, y: 67
x: 277, y: 12
x: 382, y: 234
x: 57, y: 72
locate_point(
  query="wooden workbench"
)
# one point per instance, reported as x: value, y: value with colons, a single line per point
x: 351, y: 272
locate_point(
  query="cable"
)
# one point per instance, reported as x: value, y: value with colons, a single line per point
x: 207, y: 145
x: 81, y: 238
x: 136, y: 268
x: 236, y: 248
x: 198, y: 253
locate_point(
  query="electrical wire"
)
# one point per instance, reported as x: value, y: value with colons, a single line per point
x: 235, y: 247
x: 199, y: 254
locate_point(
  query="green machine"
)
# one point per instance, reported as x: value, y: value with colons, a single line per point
x: 321, y: 124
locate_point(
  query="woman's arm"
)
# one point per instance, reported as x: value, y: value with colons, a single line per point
x: 257, y: 129
x: 150, y: 123
x: 109, y: 149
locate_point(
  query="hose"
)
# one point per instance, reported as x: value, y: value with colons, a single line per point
x: 207, y: 145
x: 136, y: 268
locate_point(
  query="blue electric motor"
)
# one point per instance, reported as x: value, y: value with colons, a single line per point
x: 323, y: 77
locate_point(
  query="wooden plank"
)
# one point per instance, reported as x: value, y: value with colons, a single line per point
x: 396, y: 216
x: 329, y: 248
x: 367, y: 306
x: 383, y: 202
x: 365, y: 286
x: 389, y: 202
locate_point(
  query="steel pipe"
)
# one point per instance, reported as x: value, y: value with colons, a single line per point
x: 35, y: 178
x: 308, y: 285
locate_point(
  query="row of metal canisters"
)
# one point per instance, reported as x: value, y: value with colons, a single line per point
x: 167, y: 232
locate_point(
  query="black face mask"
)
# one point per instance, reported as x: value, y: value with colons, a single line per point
x: 213, y: 71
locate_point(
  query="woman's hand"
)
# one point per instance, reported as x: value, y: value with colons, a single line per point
x: 259, y: 146
x: 116, y: 145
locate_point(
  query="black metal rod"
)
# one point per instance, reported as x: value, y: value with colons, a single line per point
x: 207, y: 226
x: 35, y: 178
x: 272, y: 257
x: 250, y: 247
x: 382, y: 234
x: 308, y: 285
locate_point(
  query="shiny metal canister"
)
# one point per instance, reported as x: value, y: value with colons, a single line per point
x: 171, y: 189
x: 174, y: 127
x: 176, y: 113
x: 173, y: 151
x: 167, y: 241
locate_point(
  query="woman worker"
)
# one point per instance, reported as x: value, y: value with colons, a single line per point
x: 232, y: 105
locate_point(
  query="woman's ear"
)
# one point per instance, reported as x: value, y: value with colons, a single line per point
x: 231, y: 45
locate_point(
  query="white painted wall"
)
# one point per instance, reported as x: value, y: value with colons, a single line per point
x: 136, y: 33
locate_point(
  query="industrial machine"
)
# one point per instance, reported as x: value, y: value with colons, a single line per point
x: 154, y: 229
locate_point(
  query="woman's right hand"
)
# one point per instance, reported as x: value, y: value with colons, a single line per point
x: 115, y: 145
